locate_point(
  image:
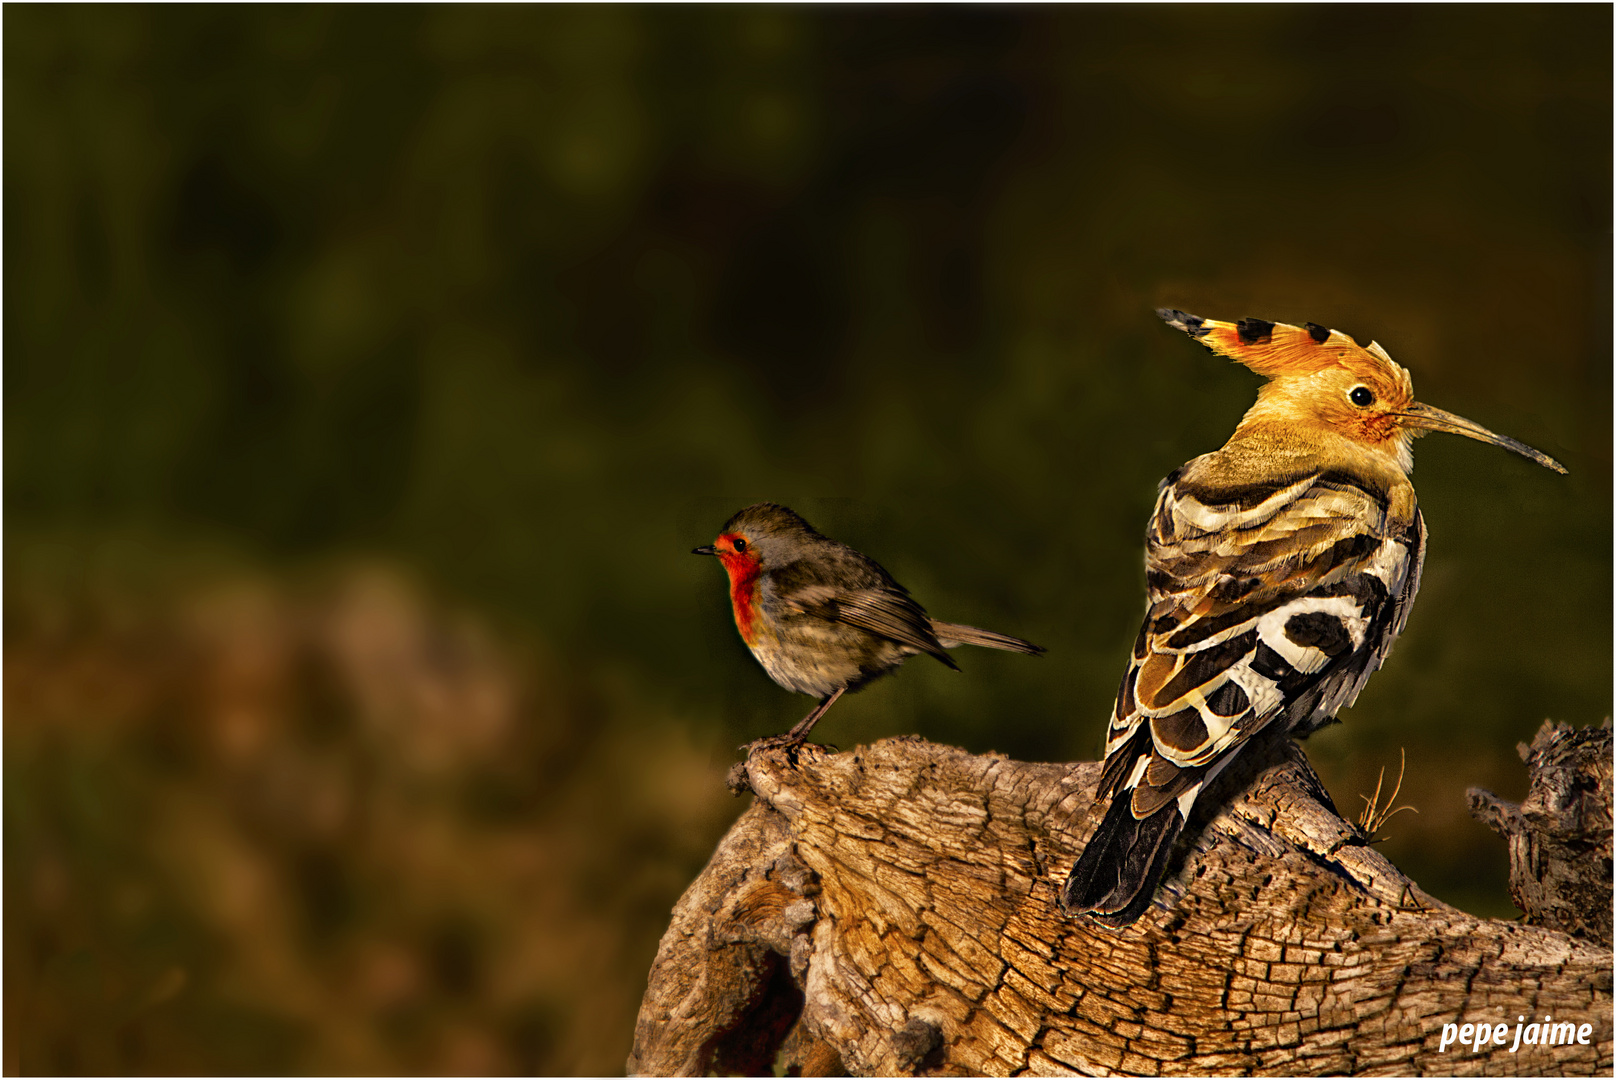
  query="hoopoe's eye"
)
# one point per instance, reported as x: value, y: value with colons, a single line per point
x: 740, y: 544
x: 1361, y: 396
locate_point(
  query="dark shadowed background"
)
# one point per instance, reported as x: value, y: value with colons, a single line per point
x: 369, y: 374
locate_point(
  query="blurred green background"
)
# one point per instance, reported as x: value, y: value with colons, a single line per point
x: 370, y: 373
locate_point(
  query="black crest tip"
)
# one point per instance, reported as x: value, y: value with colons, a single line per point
x: 1193, y: 325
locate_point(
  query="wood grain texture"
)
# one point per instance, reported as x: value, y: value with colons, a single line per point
x: 891, y: 910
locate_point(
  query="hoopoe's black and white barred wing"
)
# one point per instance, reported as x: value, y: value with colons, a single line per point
x: 1269, y: 603
x: 1276, y: 603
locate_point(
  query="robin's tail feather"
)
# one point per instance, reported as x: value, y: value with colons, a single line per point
x: 1117, y: 874
x: 952, y: 634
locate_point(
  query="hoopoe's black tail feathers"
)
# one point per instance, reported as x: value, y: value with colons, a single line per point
x: 952, y: 634
x: 1116, y: 876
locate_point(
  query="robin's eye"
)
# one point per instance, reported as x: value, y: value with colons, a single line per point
x: 740, y: 544
x: 1361, y: 396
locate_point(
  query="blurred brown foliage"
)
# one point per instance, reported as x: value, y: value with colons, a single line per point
x: 330, y: 828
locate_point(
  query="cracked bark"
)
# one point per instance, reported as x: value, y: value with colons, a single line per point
x: 891, y: 910
x: 1560, y: 837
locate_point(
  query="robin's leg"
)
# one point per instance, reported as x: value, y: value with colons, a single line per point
x: 798, y: 734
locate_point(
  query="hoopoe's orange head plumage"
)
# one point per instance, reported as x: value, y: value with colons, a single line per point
x: 1324, y: 383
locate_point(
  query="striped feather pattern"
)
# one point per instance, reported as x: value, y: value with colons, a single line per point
x: 1260, y: 608
x: 1269, y: 602
x: 1280, y: 570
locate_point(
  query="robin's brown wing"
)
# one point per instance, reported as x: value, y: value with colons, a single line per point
x: 893, y: 615
x: 885, y: 610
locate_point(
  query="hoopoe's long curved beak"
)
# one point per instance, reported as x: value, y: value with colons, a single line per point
x: 1434, y: 419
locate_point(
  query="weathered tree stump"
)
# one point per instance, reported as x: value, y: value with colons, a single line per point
x: 1560, y: 837
x: 892, y: 910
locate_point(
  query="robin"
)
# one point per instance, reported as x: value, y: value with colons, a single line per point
x: 822, y: 618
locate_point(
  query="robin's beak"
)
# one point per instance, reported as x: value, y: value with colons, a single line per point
x: 1434, y: 419
x: 710, y: 550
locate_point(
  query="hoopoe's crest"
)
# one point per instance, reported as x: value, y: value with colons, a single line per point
x: 1280, y: 569
x: 1280, y: 349
x: 1324, y: 385
x: 1316, y: 376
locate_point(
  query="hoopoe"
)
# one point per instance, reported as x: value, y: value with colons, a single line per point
x: 1279, y: 569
